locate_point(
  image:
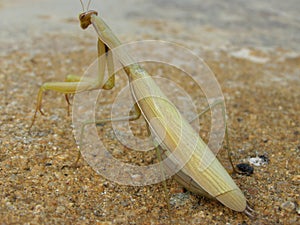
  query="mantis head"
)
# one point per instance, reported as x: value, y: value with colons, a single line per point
x: 85, y: 18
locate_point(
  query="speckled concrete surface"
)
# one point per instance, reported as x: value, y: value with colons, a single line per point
x: 257, y: 67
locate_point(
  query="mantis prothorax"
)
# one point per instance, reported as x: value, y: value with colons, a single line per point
x: 210, y: 180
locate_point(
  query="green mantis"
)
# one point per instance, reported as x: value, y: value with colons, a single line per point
x: 202, y: 173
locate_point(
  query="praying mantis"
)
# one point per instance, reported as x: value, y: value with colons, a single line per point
x: 202, y: 173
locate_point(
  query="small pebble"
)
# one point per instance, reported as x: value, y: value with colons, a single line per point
x: 288, y: 206
x: 245, y: 168
x: 298, y: 209
x: 259, y: 160
x: 60, y: 209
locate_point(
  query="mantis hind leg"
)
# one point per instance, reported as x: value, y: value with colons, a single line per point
x: 228, y: 146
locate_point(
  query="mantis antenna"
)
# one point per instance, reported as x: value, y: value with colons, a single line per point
x: 88, y: 5
x: 82, y: 5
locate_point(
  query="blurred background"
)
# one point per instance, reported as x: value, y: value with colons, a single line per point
x: 206, y: 24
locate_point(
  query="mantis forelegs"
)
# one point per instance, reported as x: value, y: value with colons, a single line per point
x: 74, y: 84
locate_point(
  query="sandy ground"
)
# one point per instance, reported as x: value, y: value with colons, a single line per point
x: 259, y: 78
